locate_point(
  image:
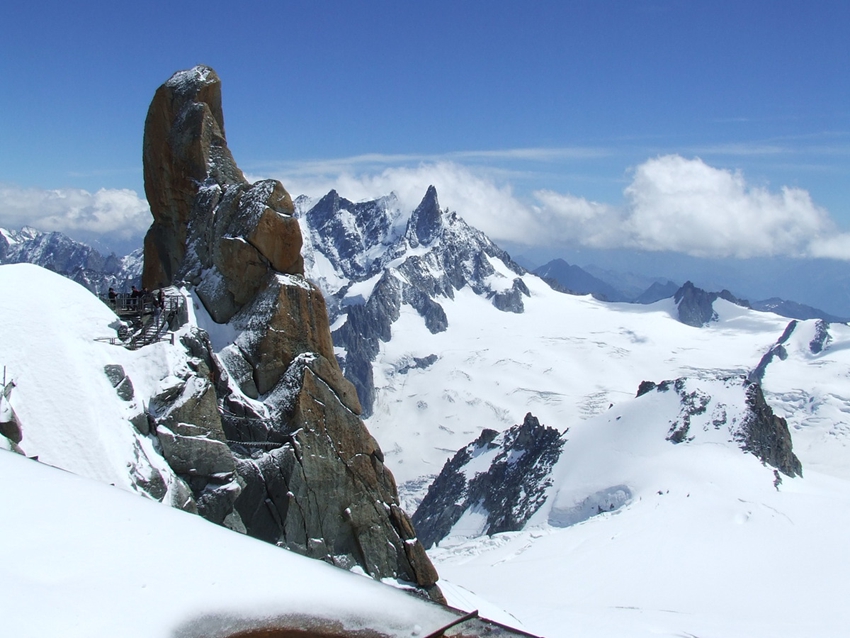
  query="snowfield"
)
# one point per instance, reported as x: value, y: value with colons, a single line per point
x: 640, y: 537
x: 85, y: 559
x: 568, y: 358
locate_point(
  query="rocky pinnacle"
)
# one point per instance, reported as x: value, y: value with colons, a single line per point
x: 309, y: 476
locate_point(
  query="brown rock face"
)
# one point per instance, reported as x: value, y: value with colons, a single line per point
x: 184, y: 143
x: 311, y: 476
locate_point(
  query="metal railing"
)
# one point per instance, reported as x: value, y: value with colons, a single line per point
x: 149, y: 317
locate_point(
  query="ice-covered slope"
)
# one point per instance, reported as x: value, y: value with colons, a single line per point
x: 643, y: 537
x: 84, y: 560
x: 520, y: 478
x: 808, y: 386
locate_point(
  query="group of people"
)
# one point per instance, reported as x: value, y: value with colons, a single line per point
x: 137, y: 298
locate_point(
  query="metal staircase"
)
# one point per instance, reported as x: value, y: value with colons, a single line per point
x: 146, y: 322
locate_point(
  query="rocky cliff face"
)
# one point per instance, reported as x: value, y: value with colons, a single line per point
x: 755, y: 428
x: 271, y: 441
x: 696, y: 306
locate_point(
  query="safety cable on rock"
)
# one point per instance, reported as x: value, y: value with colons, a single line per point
x: 259, y: 444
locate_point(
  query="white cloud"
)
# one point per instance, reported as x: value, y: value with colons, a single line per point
x: 672, y: 204
x: 833, y: 247
x: 687, y: 206
x: 684, y: 205
x: 112, y: 213
x: 473, y: 193
x: 566, y: 218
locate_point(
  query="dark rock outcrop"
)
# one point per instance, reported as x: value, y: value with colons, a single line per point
x: 510, y: 489
x: 821, y: 338
x: 644, y: 387
x: 777, y: 351
x: 120, y: 381
x: 767, y: 436
x: 695, y: 305
x: 758, y: 430
x: 266, y: 434
x: 511, y: 300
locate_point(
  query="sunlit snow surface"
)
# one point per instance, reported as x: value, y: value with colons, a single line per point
x: 71, y: 415
x: 568, y: 358
x: 700, y: 543
x: 697, y: 542
x: 86, y: 560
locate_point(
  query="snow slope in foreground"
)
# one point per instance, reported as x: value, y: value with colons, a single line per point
x: 86, y: 560
x: 699, y: 543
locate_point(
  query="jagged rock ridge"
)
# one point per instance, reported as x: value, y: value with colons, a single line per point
x: 696, y: 306
x: 500, y: 482
x: 380, y: 259
x: 756, y: 430
x: 300, y: 468
x: 500, y: 478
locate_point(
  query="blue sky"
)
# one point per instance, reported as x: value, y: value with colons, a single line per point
x: 578, y: 117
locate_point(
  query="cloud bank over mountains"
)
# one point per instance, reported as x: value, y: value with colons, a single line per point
x: 671, y: 203
x: 685, y: 205
x: 115, y: 216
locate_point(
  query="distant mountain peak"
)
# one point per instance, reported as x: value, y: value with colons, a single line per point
x: 371, y: 257
x: 426, y: 221
x: 696, y: 306
x: 70, y: 258
x: 575, y: 280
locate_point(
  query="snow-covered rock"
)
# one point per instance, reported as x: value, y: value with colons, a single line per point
x: 642, y: 536
x: 499, y: 481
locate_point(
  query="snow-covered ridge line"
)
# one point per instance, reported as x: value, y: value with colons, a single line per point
x: 498, y: 482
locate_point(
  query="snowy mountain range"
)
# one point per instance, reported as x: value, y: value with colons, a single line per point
x: 445, y: 335
x: 453, y: 357
x: 614, y: 286
x: 371, y: 261
x: 75, y: 260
